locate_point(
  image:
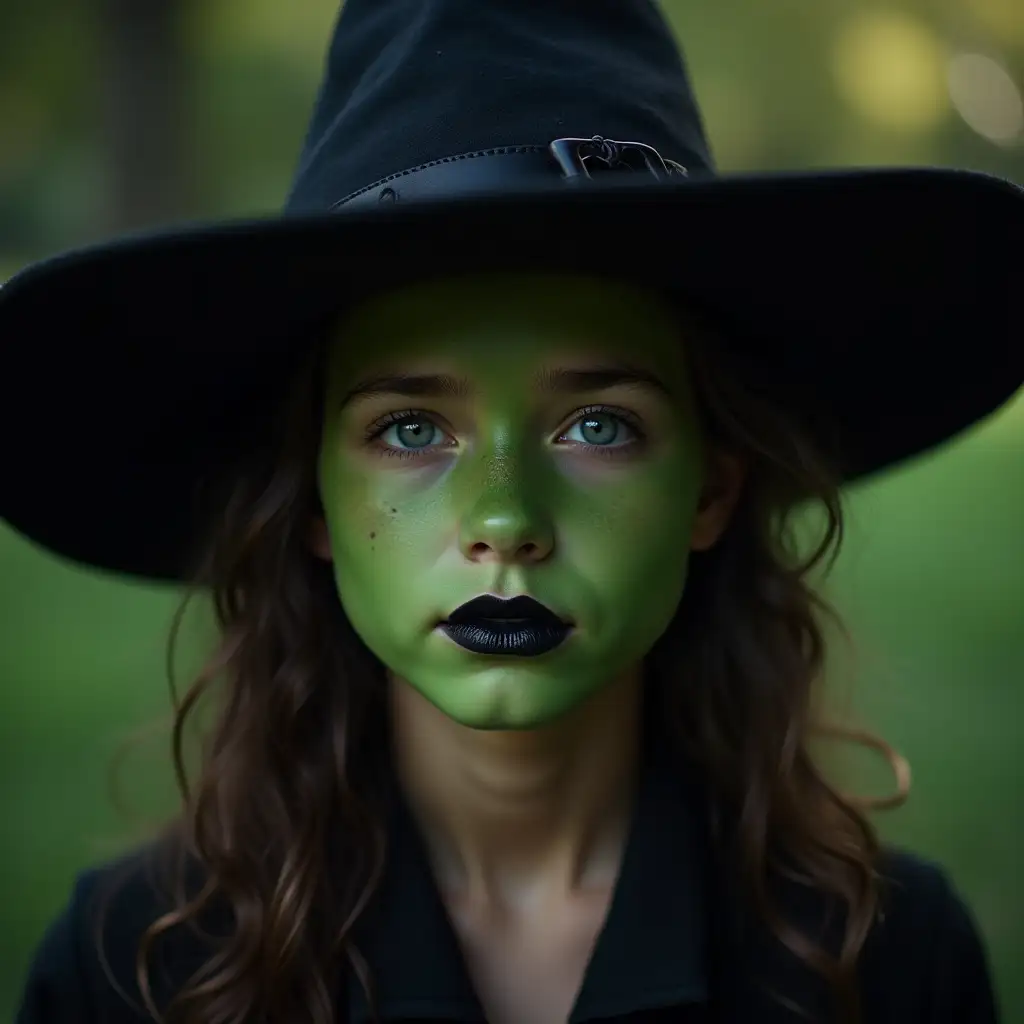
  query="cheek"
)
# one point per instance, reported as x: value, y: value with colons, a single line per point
x: 632, y: 537
x: 649, y: 506
x: 382, y: 524
x: 364, y: 535
x: 356, y: 520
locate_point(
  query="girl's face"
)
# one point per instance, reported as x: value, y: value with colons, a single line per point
x: 507, y: 436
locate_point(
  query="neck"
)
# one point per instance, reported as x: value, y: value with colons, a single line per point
x: 507, y: 814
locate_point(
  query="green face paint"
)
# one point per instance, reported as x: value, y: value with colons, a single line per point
x: 509, y: 477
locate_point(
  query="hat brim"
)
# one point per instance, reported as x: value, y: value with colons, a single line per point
x: 886, y: 304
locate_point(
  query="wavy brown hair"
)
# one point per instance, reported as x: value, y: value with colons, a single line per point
x: 283, y: 810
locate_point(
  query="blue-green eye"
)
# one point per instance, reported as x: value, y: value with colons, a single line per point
x: 601, y: 429
x: 412, y: 432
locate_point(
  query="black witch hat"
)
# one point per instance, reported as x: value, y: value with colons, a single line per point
x: 882, y: 306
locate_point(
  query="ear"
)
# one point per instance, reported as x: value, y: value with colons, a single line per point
x: 319, y: 539
x: 723, y: 485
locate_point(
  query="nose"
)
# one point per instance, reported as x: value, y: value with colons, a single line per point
x: 507, y: 522
x: 506, y: 538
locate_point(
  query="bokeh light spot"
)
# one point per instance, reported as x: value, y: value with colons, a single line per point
x: 890, y: 68
x: 986, y: 97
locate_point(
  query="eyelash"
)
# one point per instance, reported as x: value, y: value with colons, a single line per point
x: 631, y: 420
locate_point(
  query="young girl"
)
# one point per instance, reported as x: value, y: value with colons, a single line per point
x: 490, y: 459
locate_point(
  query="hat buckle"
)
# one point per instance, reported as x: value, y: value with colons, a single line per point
x: 576, y: 157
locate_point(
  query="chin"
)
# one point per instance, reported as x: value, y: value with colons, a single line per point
x: 505, y: 724
x: 495, y: 714
x: 500, y: 698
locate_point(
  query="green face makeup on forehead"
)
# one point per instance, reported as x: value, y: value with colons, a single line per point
x: 510, y: 436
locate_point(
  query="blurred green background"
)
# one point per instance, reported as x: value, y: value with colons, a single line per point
x: 116, y: 115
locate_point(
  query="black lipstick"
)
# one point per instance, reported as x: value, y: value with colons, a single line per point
x: 518, y: 627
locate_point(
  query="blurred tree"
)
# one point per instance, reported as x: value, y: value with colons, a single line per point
x: 144, y: 64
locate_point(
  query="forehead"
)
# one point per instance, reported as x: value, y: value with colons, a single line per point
x: 506, y: 327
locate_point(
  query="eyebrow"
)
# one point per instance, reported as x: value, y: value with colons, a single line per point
x: 559, y: 380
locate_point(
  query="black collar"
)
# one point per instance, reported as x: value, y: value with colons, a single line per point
x: 650, y: 953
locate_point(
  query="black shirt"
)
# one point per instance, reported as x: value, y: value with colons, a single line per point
x: 679, y: 945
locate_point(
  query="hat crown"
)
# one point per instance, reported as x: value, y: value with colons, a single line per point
x: 412, y: 81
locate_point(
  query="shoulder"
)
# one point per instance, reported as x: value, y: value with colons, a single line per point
x: 914, y: 887
x: 84, y: 967
x: 926, y: 948
x: 919, y: 897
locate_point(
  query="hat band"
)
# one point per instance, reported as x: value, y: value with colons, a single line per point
x: 495, y: 170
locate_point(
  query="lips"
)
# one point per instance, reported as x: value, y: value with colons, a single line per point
x: 518, y: 627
